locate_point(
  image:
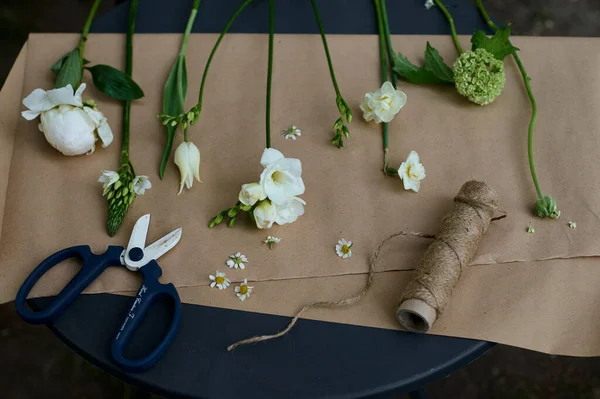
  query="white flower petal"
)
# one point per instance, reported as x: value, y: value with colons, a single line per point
x: 269, y: 156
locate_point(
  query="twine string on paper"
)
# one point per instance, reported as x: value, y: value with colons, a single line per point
x: 443, y: 262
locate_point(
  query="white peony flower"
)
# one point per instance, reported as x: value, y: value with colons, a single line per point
x: 108, y: 178
x: 187, y: 159
x: 251, y: 193
x: 281, y: 178
x: 290, y: 212
x: 69, y: 125
x: 265, y: 214
x: 344, y: 249
x: 383, y: 104
x: 237, y: 260
x: 412, y: 172
x: 141, y: 184
x: 243, y: 291
x: 219, y: 280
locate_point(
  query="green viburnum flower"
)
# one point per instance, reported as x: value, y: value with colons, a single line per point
x: 479, y: 76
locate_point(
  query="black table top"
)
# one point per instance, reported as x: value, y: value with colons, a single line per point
x: 317, y: 359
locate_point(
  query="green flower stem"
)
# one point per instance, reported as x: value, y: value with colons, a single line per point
x: 444, y: 11
x: 384, y: 76
x: 270, y: 72
x: 388, y: 39
x: 128, y: 71
x: 326, y: 48
x: 86, y: 30
x: 188, y: 28
x: 526, y: 81
x: 198, y: 107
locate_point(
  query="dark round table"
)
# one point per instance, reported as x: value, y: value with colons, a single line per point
x: 317, y: 359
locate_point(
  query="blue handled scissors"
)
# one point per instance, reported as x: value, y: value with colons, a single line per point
x: 135, y: 257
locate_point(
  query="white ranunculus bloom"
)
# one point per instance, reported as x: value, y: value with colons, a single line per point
x: 383, y: 104
x: 108, y: 178
x: 251, y: 193
x: 141, y: 184
x: 69, y: 125
x: 265, y: 214
x: 290, y: 212
x: 281, y: 178
x: 412, y: 172
x: 187, y: 159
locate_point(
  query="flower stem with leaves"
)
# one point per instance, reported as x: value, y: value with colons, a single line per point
x: 545, y: 206
x: 340, y: 127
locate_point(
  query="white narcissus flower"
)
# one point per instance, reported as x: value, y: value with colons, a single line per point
x: 251, y: 193
x: 187, y: 159
x: 141, y: 184
x: 265, y: 214
x: 383, y: 104
x: 412, y: 172
x: 69, y: 125
x: 108, y: 178
x: 282, y: 177
x: 290, y: 212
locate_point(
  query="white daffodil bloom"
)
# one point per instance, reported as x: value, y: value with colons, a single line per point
x: 187, y: 159
x: 281, y: 178
x: 108, y: 178
x: 412, y: 172
x: 219, y: 280
x: 251, y: 193
x: 290, y: 212
x: 141, y: 184
x: 344, y: 249
x: 237, y: 260
x: 265, y: 214
x: 383, y: 104
x: 69, y: 125
x: 243, y: 290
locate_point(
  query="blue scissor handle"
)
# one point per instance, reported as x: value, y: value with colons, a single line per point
x: 150, y: 291
x: 93, y: 266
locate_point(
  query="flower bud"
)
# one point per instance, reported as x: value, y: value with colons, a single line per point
x: 187, y: 158
x: 546, y: 207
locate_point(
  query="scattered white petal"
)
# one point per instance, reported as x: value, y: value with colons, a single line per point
x: 291, y: 133
x: 219, y: 280
x: 243, y: 290
x: 572, y: 225
x: 237, y: 260
x: 344, y: 249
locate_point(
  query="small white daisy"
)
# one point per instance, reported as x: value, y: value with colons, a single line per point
x: 291, y: 133
x: 343, y: 248
x: 270, y: 241
x: 237, y: 260
x: 243, y: 290
x: 219, y: 280
x: 530, y: 229
x: 572, y: 225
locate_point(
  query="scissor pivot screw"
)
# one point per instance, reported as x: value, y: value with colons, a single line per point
x: 136, y: 254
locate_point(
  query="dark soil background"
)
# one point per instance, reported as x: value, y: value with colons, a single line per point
x: 35, y: 364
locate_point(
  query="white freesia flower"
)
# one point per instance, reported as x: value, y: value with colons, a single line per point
x: 237, y: 260
x: 108, y: 178
x: 344, y: 249
x: 251, y: 193
x: 281, y: 178
x: 141, y: 184
x: 187, y: 159
x: 383, y: 104
x: 219, y: 280
x: 412, y: 172
x: 69, y: 125
x: 429, y: 4
x: 265, y: 214
x: 290, y: 212
x: 243, y: 290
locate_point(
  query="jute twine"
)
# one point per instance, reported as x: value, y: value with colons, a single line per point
x: 442, y: 264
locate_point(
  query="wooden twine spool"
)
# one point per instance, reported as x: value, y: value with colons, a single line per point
x: 426, y: 296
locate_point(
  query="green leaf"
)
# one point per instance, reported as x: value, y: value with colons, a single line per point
x: 58, y: 64
x: 435, y: 64
x: 498, y: 45
x: 434, y: 70
x: 173, y: 104
x: 70, y: 71
x: 114, y: 83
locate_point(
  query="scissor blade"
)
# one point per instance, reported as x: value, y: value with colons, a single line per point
x: 163, y: 245
x: 139, y: 232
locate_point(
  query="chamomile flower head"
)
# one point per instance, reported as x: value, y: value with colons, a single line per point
x: 219, y: 280
x: 291, y: 133
x: 271, y: 240
x: 237, y: 261
x: 344, y: 248
x: 243, y: 290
